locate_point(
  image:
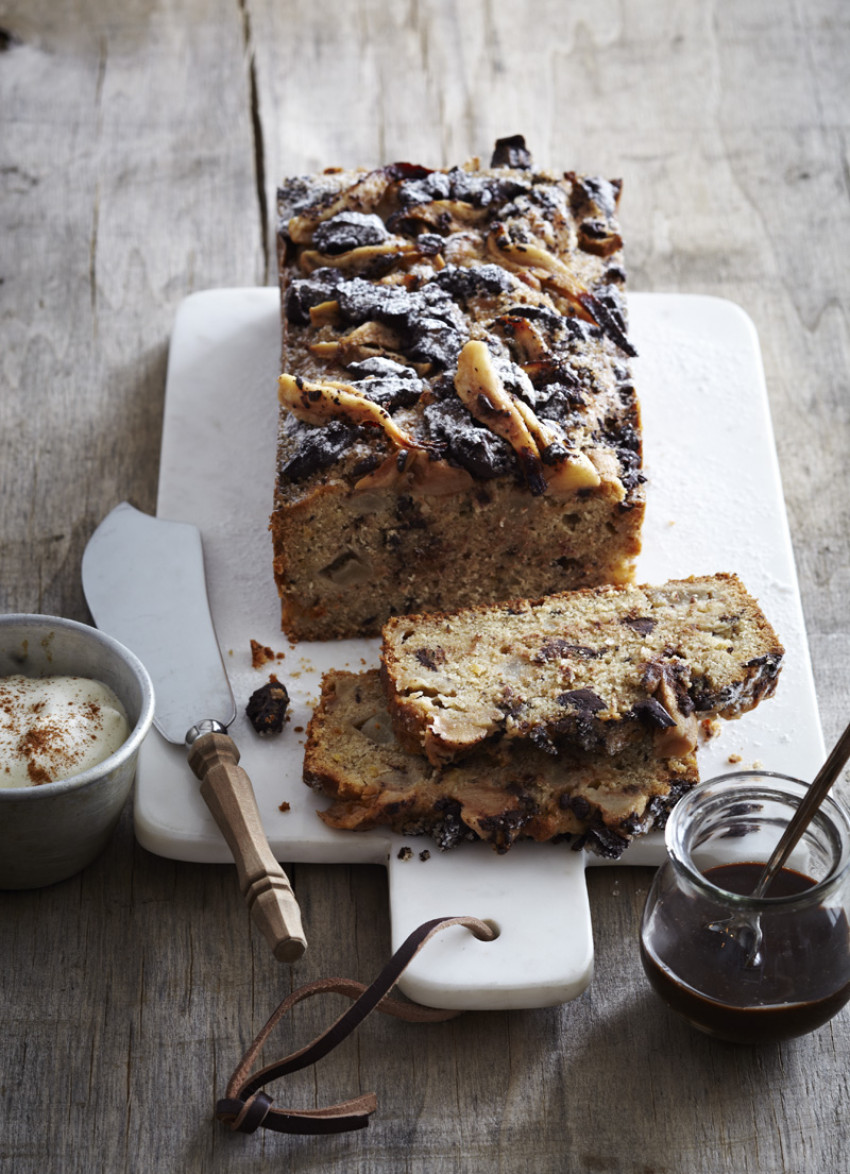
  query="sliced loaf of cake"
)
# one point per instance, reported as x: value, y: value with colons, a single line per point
x: 509, y: 792
x: 594, y: 667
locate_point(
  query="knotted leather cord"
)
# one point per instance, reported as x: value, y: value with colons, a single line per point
x: 245, y: 1107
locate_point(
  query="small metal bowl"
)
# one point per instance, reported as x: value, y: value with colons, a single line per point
x: 52, y: 831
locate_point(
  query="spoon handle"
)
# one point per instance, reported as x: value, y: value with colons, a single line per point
x: 815, y: 795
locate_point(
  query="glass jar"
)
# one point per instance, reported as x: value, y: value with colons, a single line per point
x: 739, y: 968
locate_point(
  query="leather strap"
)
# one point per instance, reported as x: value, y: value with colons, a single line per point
x: 246, y: 1108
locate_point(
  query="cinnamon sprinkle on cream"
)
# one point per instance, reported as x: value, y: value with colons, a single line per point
x: 56, y: 727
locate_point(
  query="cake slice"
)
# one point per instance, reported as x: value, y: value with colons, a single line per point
x: 458, y: 421
x: 594, y: 667
x: 510, y: 792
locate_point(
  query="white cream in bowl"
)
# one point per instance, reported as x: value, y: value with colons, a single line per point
x: 56, y: 727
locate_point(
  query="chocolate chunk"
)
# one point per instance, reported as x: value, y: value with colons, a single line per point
x: 558, y: 400
x: 434, y: 340
x: 466, y: 443
x: 591, y: 193
x: 409, y: 514
x: 652, y: 713
x: 510, y: 703
x: 552, y: 650
x: 539, y: 736
x: 320, y: 448
x: 481, y: 191
x: 554, y: 453
x: 437, y: 328
x: 464, y: 282
x: 611, y: 298
x: 770, y: 662
x: 606, y: 842
x: 583, y: 699
x: 582, y: 651
x: 626, y: 442
x: 546, y: 201
x: 430, y: 244
x: 595, y: 237
x: 451, y: 829
x: 642, y: 624
x: 349, y: 230
x: 380, y: 365
x: 431, y: 657
x: 543, y: 314
x: 511, y: 152
x: 392, y: 390
x: 431, y: 325
x: 503, y: 829
x: 407, y: 171
x: 577, y: 804
x: 306, y: 292
x: 367, y: 465
x: 424, y: 189
x: 660, y: 806
x: 363, y: 301
x: 594, y: 229
x: 266, y: 709
x: 610, y: 320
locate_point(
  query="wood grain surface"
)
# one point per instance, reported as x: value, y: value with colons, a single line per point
x: 141, y: 144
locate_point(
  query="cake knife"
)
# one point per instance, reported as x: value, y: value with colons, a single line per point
x: 144, y: 582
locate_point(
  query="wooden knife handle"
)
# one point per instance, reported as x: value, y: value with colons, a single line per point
x: 227, y: 791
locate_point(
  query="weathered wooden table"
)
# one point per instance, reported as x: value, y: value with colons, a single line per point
x: 141, y: 144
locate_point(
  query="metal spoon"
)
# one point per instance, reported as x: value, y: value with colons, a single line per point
x: 747, y: 929
x: 815, y: 795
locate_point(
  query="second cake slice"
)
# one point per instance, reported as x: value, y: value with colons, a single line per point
x: 512, y: 792
x: 591, y: 668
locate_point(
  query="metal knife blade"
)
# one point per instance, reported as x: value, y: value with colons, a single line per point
x: 145, y: 585
x: 144, y: 582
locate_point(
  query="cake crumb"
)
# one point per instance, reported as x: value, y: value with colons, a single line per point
x: 424, y: 855
x: 261, y: 654
x: 284, y: 806
x: 405, y: 853
x: 710, y: 728
x: 734, y: 758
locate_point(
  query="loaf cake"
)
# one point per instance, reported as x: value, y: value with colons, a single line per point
x: 458, y: 421
x: 510, y: 792
x: 594, y: 667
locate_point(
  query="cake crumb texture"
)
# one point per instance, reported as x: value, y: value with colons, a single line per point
x: 513, y: 791
x: 595, y: 667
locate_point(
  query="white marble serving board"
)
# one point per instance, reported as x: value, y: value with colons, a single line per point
x: 714, y: 504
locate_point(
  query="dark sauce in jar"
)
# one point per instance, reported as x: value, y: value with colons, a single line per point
x: 803, y: 978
